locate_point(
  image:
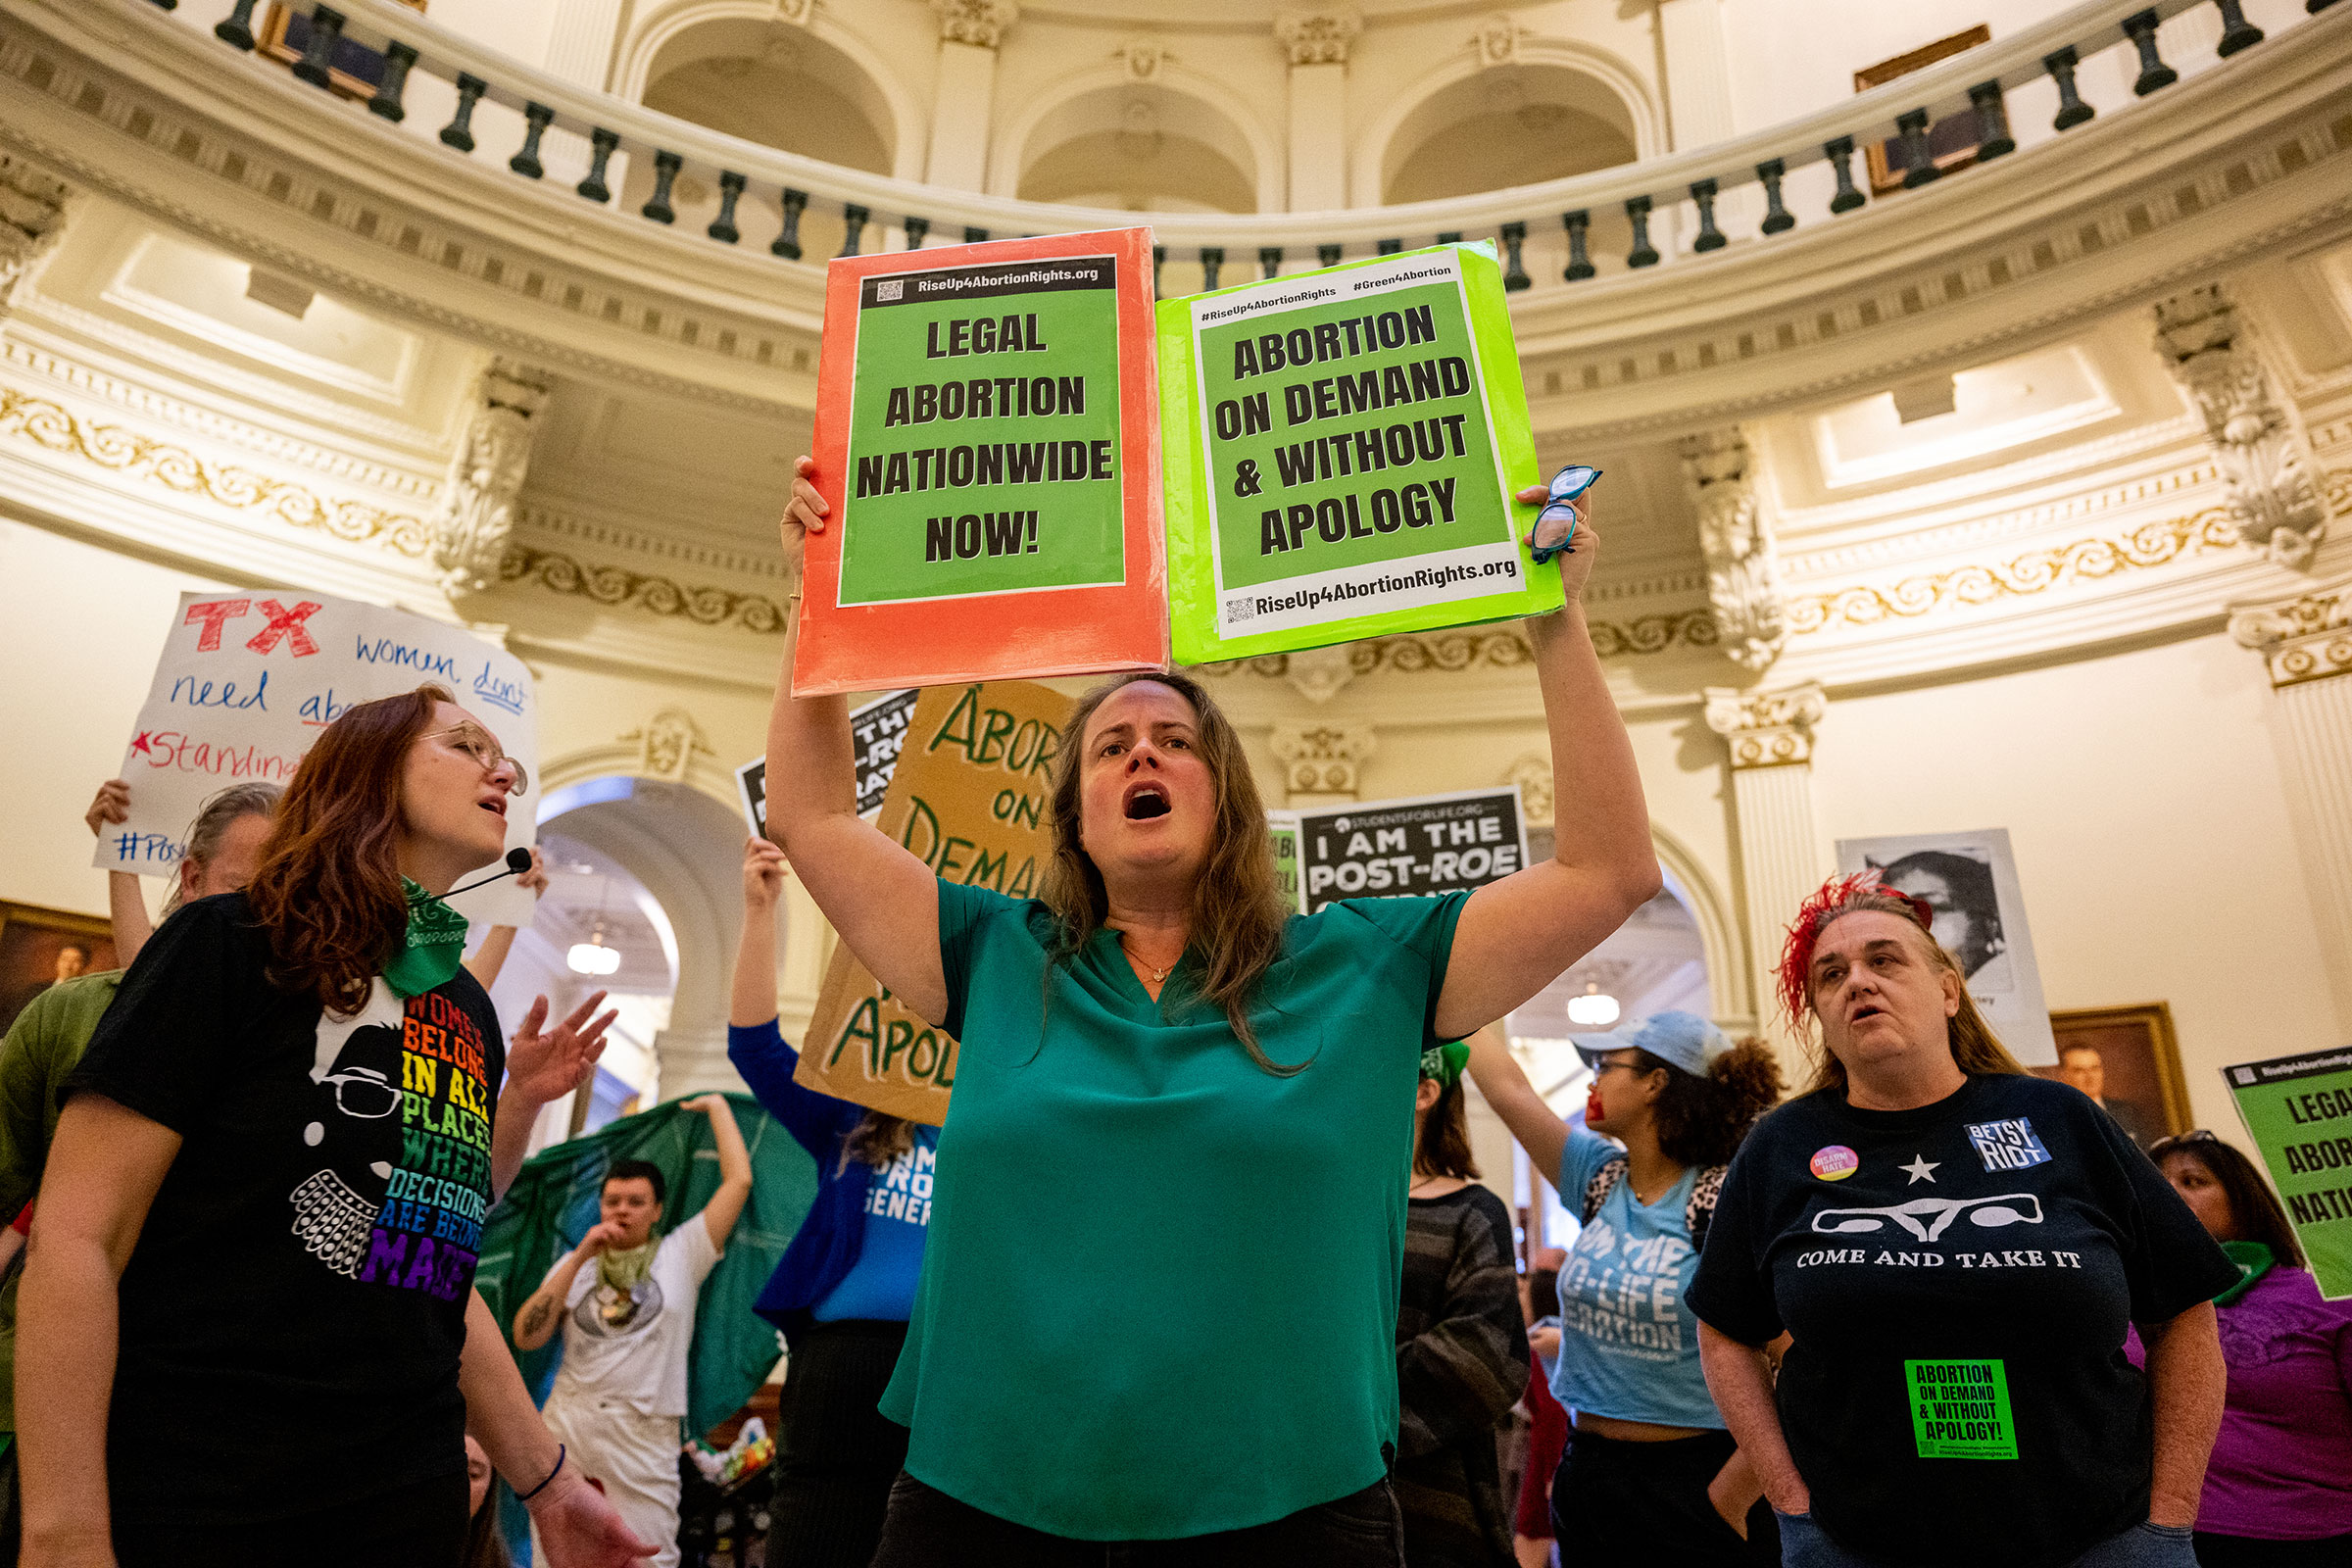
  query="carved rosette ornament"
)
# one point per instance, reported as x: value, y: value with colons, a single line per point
x: 33, y: 220
x: 1497, y: 39
x: 1532, y: 774
x: 477, y: 520
x: 980, y: 23
x: 2257, y: 438
x: 2300, y: 640
x: 1767, y: 729
x: 1322, y: 759
x: 1735, y: 536
x: 1318, y: 37
x: 1143, y: 57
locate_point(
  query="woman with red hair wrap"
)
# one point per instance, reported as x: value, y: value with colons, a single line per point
x: 1956, y: 1249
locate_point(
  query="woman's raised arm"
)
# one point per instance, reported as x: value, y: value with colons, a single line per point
x: 1516, y: 935
x: 881, y: 899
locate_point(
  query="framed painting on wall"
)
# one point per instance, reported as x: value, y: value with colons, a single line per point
x: 1951, y: 140
x: 2129, y: 1061
x: 40, y: 947
x: 354, y: 70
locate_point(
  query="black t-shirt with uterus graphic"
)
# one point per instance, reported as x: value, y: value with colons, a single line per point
x: 294, y: 1311
x: 1956, y: 1280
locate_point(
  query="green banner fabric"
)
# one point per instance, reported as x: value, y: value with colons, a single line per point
x: 1340, y: 448
x: 983, y: 432
x: 2299, y: 1110
x: 553, y: 1204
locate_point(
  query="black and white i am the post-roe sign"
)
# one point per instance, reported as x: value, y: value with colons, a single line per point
x: 876, y: 732
x: 1426, y: 845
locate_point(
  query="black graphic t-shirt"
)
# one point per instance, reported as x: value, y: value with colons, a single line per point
x: 294, y: 1311
x: 1956, y: 1280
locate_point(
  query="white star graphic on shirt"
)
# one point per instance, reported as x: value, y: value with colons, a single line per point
x: 1922, y: 1169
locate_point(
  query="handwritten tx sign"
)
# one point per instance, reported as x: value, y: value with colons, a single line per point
x: 970, y: 798
x: 248, y: 679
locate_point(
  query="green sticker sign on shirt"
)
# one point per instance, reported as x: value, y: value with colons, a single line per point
x: 1960, y: 1409
x: 2299, y: 1110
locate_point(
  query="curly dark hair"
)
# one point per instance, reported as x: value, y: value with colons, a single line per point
x: 1701, y: 1120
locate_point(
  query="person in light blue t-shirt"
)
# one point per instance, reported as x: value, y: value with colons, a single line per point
x: 1649, y: 1468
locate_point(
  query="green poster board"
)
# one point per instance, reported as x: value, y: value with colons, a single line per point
x: 2299, y: 1110
x: 984, y: 398
x: 1340, y: 448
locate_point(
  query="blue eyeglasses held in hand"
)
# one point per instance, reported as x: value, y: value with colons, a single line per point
x: 1566, y: 485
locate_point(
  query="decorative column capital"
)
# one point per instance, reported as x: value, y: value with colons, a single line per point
x: 2268, y: 475
x: 1322, y: 759
x: 476, y: 519
x: 980, y: 23
x: 1318, y: 37
x: 1767, y: 729
x: 2302, y: 639
x: 33, y: 220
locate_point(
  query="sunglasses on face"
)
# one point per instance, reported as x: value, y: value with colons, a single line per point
x: 482, y: 746
x: 1566, y: 485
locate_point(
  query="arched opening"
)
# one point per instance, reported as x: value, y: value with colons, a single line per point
x: 651, y: 864
x: 1508, y: 125
x: 777, y: 85
x: 1140, y: 147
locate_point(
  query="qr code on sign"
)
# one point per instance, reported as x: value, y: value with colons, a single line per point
x: 895, y: 289
x: 1240, y: 610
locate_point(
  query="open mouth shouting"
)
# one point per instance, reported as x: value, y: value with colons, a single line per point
x: 1144, y: 800
x: 495, y: 804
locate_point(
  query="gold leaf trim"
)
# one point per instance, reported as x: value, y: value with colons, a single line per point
x: 2036, y: 572
x: 56, y: 428
x: 1412, y: 652
x: 617, y: 586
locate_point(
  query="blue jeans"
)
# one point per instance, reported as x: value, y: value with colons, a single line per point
x: 1805, y: 1545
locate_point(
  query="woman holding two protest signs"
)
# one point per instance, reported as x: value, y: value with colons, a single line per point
x: 1169, y: 1092
x: 1955, y: 1248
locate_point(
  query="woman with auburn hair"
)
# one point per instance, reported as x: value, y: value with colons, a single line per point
x: 249, y: 1332
x: 1955, y: 1248
x: 2279, y: 1488
x: 1170, y: 1091
x: 1648, y: 1465
x: 1461, y: 1339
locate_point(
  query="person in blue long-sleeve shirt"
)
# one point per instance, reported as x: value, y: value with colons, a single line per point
x: 843, y: 1289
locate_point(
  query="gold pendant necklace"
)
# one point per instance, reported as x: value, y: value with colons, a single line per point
x: 1158, y: 977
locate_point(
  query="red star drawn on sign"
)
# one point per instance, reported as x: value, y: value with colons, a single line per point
x: 144, y: 745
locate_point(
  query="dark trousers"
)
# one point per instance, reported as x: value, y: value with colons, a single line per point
x: 1619, y: 1502
x: 836, y: 1453
x: 928, y: 1529
x: 2245, y: 1552
x: 419, y: 1525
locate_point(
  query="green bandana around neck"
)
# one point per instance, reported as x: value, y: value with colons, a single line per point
x: 2254, y: 1260
x: 436, y: 941
x: 625, y: 1270
x: 1444, y: 1063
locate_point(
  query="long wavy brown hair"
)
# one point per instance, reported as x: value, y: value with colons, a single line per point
x: 1976, y: 1049
x: 328, y: 889
x: 1237, y: 911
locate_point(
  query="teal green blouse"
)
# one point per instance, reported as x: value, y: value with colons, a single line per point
x: 1159, y: 1294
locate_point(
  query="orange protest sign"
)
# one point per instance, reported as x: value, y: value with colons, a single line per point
x: 987, y: 442
x: 970, y: 798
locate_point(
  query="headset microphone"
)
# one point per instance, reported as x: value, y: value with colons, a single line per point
x: 518, y: 863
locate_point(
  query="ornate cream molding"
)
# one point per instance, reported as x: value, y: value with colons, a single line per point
x: 1496, y: 39
x: 2303, y: 639
x: 669, y: 744
x: 477, y: 520
x: 1532, y: 774
x: 614, y: 585
x: 976, y: 22
x: 1735, y: 539
x: 1321, y: 759
x: 1143, y: 57
x: 2256, y: 436
x: 33, y: 220
x: 1318, y: 37
x: 2152, y: 544
x: 1767, y: 729
x: 1320, y: 672
x: 128, y: 453
x: 1478, y: 648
